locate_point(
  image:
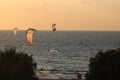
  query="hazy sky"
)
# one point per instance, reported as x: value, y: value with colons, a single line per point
x: 67, y: 14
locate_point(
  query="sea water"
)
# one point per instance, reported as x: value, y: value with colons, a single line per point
x: 75, y: 48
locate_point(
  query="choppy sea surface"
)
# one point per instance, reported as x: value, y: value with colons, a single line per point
x: 75, y: 48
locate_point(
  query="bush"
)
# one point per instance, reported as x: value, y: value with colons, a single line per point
x: 105, y: 66
x: 16, y: 65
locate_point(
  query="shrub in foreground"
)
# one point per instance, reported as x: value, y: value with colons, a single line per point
x: 105, y: 66
x: 16, y: 65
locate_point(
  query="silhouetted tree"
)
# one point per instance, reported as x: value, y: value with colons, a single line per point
x: 105, y: 66
x: 16, y: 65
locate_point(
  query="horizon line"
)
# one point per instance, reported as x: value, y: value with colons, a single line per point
x: 58, y: 30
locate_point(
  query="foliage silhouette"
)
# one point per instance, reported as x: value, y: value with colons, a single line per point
x: 16, y: 65
x: 105, y: 66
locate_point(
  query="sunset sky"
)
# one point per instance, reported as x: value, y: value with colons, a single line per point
x: 67, y: 14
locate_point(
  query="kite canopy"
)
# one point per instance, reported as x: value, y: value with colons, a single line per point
x: 53, y: 27
x: 29, y: 35
x: 14, y: 31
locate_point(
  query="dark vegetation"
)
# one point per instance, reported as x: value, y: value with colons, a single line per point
x: 105, y: 66
x: 16, y: 65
